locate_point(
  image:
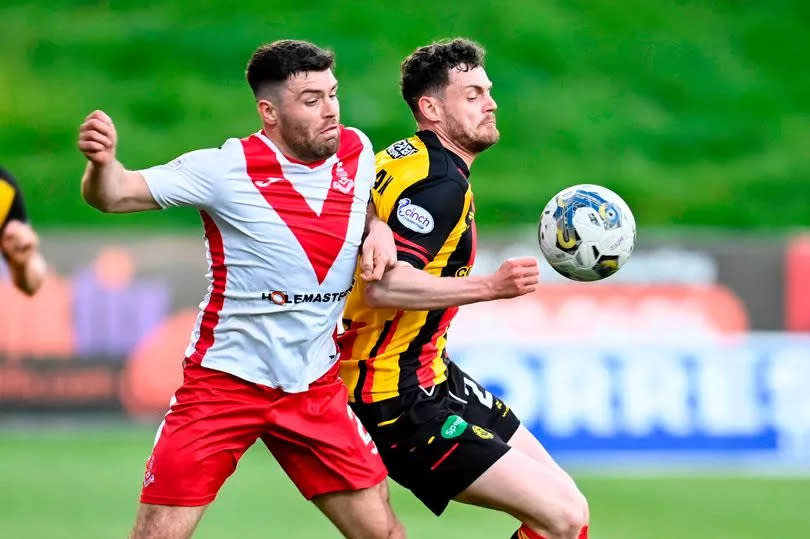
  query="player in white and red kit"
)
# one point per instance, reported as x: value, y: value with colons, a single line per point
x: 284, y: 212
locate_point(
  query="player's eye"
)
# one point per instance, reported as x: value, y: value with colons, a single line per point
x: 311, y: 102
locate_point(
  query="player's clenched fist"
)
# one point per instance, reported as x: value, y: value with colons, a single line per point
x: 18, y: 243
x: 515, y: 277
x: 97, y: 138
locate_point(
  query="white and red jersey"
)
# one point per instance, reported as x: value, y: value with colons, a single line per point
x: 282, y: 243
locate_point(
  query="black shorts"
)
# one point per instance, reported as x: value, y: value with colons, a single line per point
x: 437, y: 442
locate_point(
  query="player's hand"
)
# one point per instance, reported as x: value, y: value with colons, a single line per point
x: 378, y: 252
x: 515, y: 277
x: 97, y: 138
x: 18, y: 243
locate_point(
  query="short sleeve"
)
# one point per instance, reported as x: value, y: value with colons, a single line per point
x: 189, y: 180
x: 423, y: 217
x: 12, y: 205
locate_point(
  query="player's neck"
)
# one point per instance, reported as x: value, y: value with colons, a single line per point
x: 467, y: 156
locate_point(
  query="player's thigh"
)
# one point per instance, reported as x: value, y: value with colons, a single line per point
x: 526, y: 443
x: 361, y: 514
x: 213, y: 418
x: 320, y: 443
x: 531, y: 491
x: 165, y: 521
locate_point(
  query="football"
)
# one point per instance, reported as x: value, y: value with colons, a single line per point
x: 586, y: 232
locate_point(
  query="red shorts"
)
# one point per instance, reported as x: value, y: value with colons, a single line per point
x: 214, y: 417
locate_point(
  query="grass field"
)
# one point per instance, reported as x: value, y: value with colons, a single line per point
x: 83, y: 482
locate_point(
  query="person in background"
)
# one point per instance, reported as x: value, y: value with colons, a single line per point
x: 19, y: 243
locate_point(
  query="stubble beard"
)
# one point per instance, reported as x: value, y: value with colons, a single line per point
x: 474, y: 141
x: 295, y: 136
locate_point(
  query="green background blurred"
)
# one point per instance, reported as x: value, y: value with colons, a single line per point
x: 696, y: 112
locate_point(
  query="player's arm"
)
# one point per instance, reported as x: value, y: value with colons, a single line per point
x: 106, y: 184
x: 378, y: 252
x: 409, y: 287
x: 406, y: 287
x: 19, y: 246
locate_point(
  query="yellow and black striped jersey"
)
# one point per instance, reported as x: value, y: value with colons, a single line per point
x: 422, y: 192
x: 11, y: 201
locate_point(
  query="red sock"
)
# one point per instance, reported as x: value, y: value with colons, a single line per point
x: 525, y: 532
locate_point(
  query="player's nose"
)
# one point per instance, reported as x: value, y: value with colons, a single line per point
x: 330, y: 108
x: 490, y: 105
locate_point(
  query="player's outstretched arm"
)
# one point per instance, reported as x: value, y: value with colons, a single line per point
x: 20, y: 248
x: 405, y: 287
x: 378, y: 253
x: 106, y: 184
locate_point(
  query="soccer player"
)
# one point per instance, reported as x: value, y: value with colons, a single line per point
x: 19, y: 244
x: 439, y: 432
x: 284, y: 211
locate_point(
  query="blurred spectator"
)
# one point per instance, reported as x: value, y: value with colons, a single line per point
x: 112, y: 313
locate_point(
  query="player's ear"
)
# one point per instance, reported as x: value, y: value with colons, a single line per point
x: 429, y: 108
x: 267, y: 111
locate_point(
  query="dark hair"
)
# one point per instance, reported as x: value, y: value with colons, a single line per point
x: 427, y: 69
x: 274, y: 62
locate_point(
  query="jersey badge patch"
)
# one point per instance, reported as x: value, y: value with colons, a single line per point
x: 401, y: 148
x: 453, y: 427
x: 342, y: 181
x: 414, y: 217
x: 482, y: 433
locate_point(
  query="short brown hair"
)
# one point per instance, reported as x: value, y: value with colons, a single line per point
x: 427, y: 69
x: 274, y: 62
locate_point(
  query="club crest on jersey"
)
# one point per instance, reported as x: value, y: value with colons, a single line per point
x: 342, y: 182
x: 148, y: 476
x: 414, y: 217
x: 401, y: 148
x: 482, y: 433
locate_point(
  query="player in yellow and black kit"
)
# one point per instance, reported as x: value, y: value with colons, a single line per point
x: 19, y: 244
x: 439, y: 432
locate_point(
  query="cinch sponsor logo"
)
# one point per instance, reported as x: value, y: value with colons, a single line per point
x: 282, y: 298
x: 414, y: 217
x: 453, y: 427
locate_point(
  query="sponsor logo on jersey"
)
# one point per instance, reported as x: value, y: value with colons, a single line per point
x: 177, y: 162
x: 276, y: 296
x: 482, y: 433
x: 282, y: 298
x: 342, y: 182
x: 267, y: 181
x: 414, y: 217
x: 453, y: 427
x: 401, y: 148
x: 463, y: 271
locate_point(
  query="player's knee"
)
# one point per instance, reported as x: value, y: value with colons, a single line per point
x: 571, y: 517
x: 385, y: 527
x: 566, y: 518
x: 396, y: 530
